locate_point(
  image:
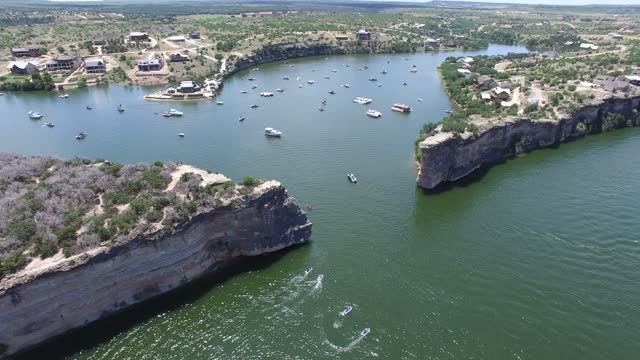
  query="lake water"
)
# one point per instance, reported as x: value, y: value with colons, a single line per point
x: 537, y: 259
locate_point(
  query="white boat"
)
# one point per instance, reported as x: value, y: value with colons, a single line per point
x: 362, y: 100
x: 35, y: 115
x: 334, y: 70
x: 285, y: 78
x: 320, y: 108
x: 332, y: 92
x: 254, y: 106
x: 120, y: 108
x: 272, y: 132
x: 280, y: 90
x: 347, y: 86
x: 420, y: 99
x: 220, y: 103
x: 308, y: 270
x: 346, y: 311
x: 266, y: 94
x: 241, y: 118
x: 298, y: 78
x: 243, y: 92
x: 379, y: 85
x: 310, y: 82
x: 384, y: 72
x: 174, y: 112
x: 300, y: 85
x: 1, y: 94
x: 181, y: 135
x: 64, y: 96
x: 352, y: 178
x: 81, y: 136
x: 365, y: 332
x: 254, y: 86
x: 373, y: 79
x: 374, y: 114
x: 360, y: 69
x: 401, y: 108
x: 414, y: 70
x: 49, y: 124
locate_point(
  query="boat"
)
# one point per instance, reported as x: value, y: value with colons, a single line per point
x: 347, y: 86
x: 300, y: 85
x: 374, y: 113
x: 324, y: 102
x: 401, y: 108
x: 366, y: 67
x: 166, y: 114
x: 81, y: 135
x: 266, y: 94
x: 251, y: 79
x: 352, y: 178
x: 254, y: 106
x: 384, y: 72
x: 346, y: 310
x: 181, y: 135
x: 220, y: 103
x: 298, y: 78
x: 255, y: 69
x: 49, y: 124
x: 254, y: 86
x: 1, y: 94
x: 35, y: 115
x: 320, y: 108
x: 89, y: 107
x: 405, y: 59
x: 420, y: 99
x: 241, y: 118
x: 174, y: 112
x: 404, y: 83
x: 449, y: 111
x: 414, y: 70
x: 379, y: 85
x: 413, y: 66
x: 243, y: 92
x: 280, y: 90
x: 310, y: 82
x: 63, y: 96
x: 291, y: 65
x: 362, y: 100
x: 365, y: 332
x: 373, y: 79
x: 285, y: 78
x: 334, y: 70
x: 308, y: 270
x: 359, y: 69
x: 332, y: 92
x: 120, y: 108
x: 327, y: 77
x: 272, y: 132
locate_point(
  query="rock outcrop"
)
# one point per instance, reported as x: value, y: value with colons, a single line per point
x: 447, y: 157
x: 44, y: 302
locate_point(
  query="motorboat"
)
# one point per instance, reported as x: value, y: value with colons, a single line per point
x: 298, y: 78
x: 360, y: 69
x: 300, y: 85
x: 49, y: 124
x: 366, y: 67
x: 255, y: 69
x: 347, y: 86
x: 266, y: 94
x: 365, y: 332
x: 272, y: 132
x: 373, y: 79
x: 420, y: 99
x: 374, y: 113
x: 332, y: 92
x: 404, y: 83
x: 63, y: 96
x: 89, y: 107
x: 414, y: 70
x: 334, y: 70
x: 352, y: 178
x: 174, y: 112
x: 285, y: 78
x: 401, y: 108
x: 308, y: 270
x: 254, y: 87
x: 81, y: 135
x: 181, y: 135
x: 405, y: 59
x: 254, y: 106
x: 327, y: 77
x: 251, y: 79
x: 120, y: 108
x: 320, y: 108
x: 166, y: 114
x: 384, y: 72
x: 310, y: 82
x: 241, y: 118
x: 280, y: 90
x: 449, y: 111
x: 346, y: 310
x: 362, y: 100
x: 324, y: 102
x: 35, y: 115
x: 243, y: 92
x: 2, y: 94
x: 220, y: 103
x: 379, y: 85
x: 414, y: 66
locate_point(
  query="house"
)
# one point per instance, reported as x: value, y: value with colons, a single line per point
x: 187, y: 87
x: 177, y: 38
x: 589, y: 46
x: 568, y: 43
x: 485, y: 82
x: 485, y: 96
x: 363, y: 35
x: 177, y: 57
x: 62, y: 63
x: 25, y: 52
x: 616, y: 36
x: 465, y: 62
x: 194, y: 35
x: 150, y: 65
x: 95, y: 66
x: 528, y: 62
x: 138, y: 36
x: 22, y: 67
x: 610, y: 83
x: 99, y: 42
x: 633, y: 79
x: 432, y: 43
x: 552, y: 54
x: 464, y: 71
x: 501, y: 94
x: 342, y: 37
x: 451, y: 44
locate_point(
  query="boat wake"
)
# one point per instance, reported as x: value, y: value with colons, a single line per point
x: 318, y: 285
x: 349, y: 347
x: 338, y: 323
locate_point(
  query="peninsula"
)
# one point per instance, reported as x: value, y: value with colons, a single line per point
x: 84, y: 239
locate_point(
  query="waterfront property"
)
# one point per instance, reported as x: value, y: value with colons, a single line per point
x: 138, y: 36
x: 176, y: 38
x: 611, y: 83
x: 194, y: 35
x: 22, y: 67
x: 150, y: 64
x: 95, y: 66
x: 187, y: 87
x: 178, y: 57
x: 363, y: 35
x: 485, y: 82
x: 62, y: 63
x: 30, y: 51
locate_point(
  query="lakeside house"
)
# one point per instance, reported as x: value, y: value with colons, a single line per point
x: 485, y: 82
x: 589, y: 46
x: 22, y: 67
x: 432, y: 43
x: 187, y: 87
x: 363, y: 35
x: 501, y: 94
x: 30, y: 51
x: 99, y: 42
x: 194, y: 35
x: 95, y: 66
x: 612, y: 84
x: 528, y: 62
x: 176, y: 38
x: 138, y: 36
x: 178, y: 57
x: 616, y: 36
x: 62, y: 63
x: 150, y: 65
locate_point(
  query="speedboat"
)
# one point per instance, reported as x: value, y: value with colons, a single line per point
x: 220, y: 103
x: 365, y: 332
x: 166, y: 114
x: 254, y: 86
x: 34, y: 115
x: 243, y: 92
x: 320, y: 108
x: 401, y: 108
x: 310, y: 82
x: 359, y: 69
x: 81, y: 135
x: 309, y: 269
x: 346, y: 310
x: 379, y: 85
x: 352, y: 178
x: 49, y: 124
x: 63, y: 96
x: 300, y: 85
x: 181, y: 135
x: 241, y: 118
x: 332, y: 92
x: 404, y: 83
x: 347, y: 86
x: 298, y: 78
x: 362, y: 100
x: 174, y: 112
x: 280, y: 90
x: 374, y: 114
x: 414, y: 70
x: 89, y: 107
x: 420, y: 99
x: 120, y: 108
x: 324, y: 102
x: 254, y: 106
x: 327, y: 77
x: 414, y: 66
x: 272, y: 132
x: 251, y: 79
x: 449, y: 111
x: 1, y: 94
x: 384, y: 72
x: 266, y: 94
x: 285, y: 78
x: 373, y: 79
x: 255, y: 69
x: 366, y: 67
x: 334, y: 70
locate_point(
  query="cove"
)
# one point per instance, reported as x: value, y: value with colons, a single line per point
x: 537, y: 259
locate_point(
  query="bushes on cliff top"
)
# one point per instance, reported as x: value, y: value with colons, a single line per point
x: 249, y: 181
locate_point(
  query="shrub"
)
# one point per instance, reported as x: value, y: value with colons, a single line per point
x: 249, y: 181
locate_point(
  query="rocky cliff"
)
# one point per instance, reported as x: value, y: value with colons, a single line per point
x: 447, y: 157
x: 41, y: 302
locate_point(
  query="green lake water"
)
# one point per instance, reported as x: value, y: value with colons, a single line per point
x: 537, y: 259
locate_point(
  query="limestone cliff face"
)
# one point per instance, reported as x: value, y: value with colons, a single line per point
x: 41, y: 304
x: 446, y: 157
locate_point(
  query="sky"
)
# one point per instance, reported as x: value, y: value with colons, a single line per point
x: 566, y: 2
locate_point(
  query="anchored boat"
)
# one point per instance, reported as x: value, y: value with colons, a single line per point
x: 362, y: 100
x: 120, y: 108
x: 346, y: 311
x: 272, y: 132
x: 401, y: 108
x: 374, y: 114
x: 365, y: 332
x: 49, y: 124
x: 81, y: 135
x: 35, y: 115
x: 352, y: 178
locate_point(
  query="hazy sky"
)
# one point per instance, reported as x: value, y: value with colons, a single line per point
x: 554, y: 2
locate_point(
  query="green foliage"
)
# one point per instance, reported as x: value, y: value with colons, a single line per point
x: 158, y: 163
x: 82, y: 82
x: 118, y: 75
x: 249, y: 181
x: 111, y: 169
x: 37, y: 82
x: 12, y: 263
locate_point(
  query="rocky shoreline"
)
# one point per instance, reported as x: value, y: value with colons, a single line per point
x: 446, y: 157
x: 41, y: 302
